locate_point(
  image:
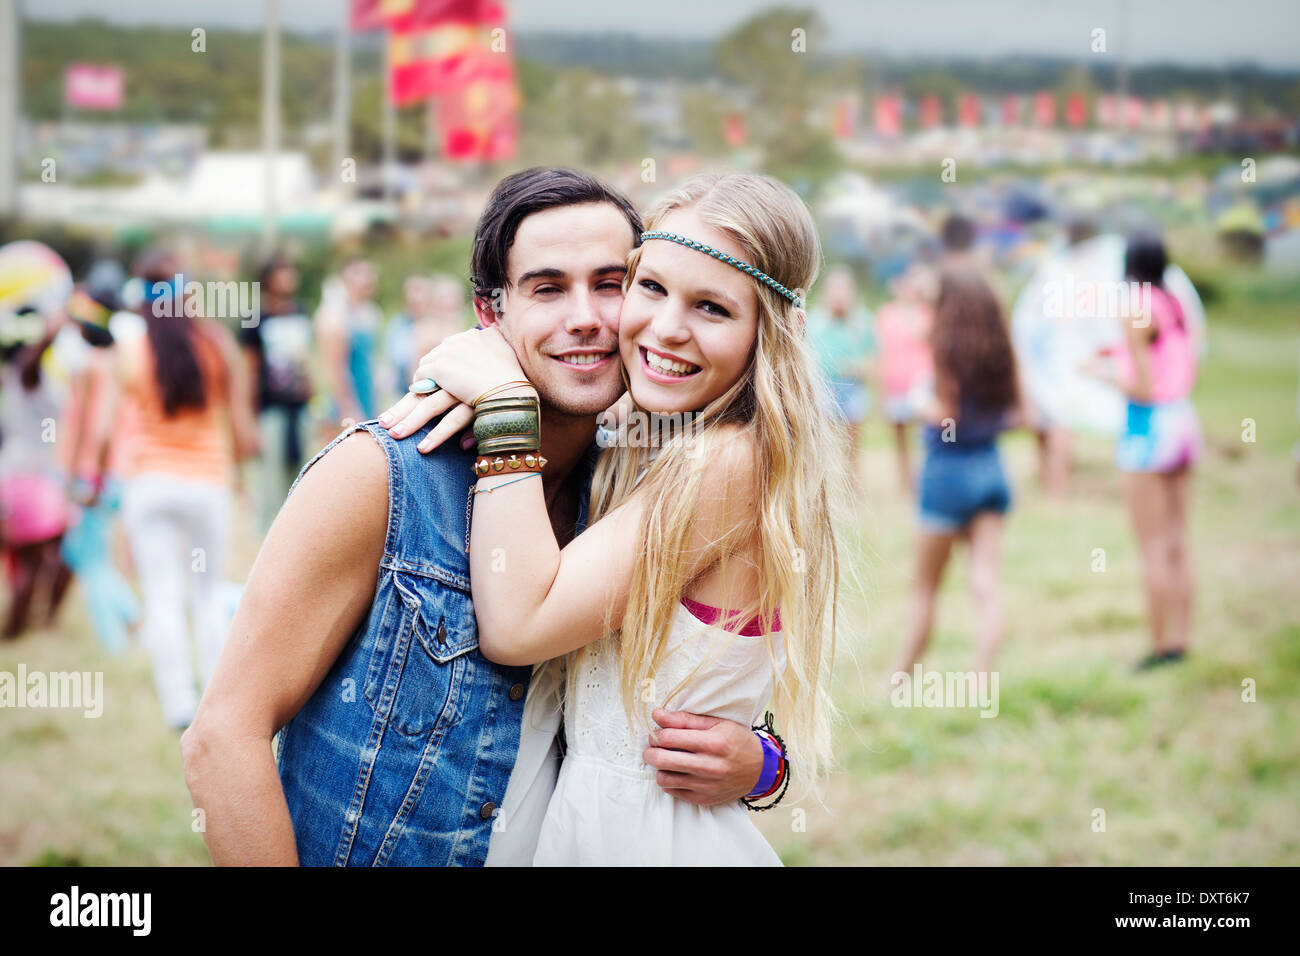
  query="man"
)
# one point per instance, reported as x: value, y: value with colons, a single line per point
x: 401, y: 744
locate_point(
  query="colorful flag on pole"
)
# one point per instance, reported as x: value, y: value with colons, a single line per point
x: 477, y: 116
x: 733, y: 130
x: 1076, y: 110
x: 1134, y: 111
x: 844, y: 117
x: 968, y: 109
x: 889, y: 114
x: 89, y: 86
x: 1011, y: 110
x: 931, y: 111
x: 1044, y: 108
x: 425, y: 55
x: 1107, y: 110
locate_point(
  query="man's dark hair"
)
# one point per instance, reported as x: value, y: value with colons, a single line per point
x: 958, y: 233
x: 520, y: 195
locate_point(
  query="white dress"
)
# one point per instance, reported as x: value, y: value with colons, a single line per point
x: 607, y: 809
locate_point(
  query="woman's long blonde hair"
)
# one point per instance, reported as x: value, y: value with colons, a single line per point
x: 779, y: 401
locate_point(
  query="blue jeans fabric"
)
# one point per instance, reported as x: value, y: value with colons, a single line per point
x: 402, y: 755
x: 958, y: 483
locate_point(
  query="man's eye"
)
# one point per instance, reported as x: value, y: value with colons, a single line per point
x: 546, y: 289
x: 610, y: 287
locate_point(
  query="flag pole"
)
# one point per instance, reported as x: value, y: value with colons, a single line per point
x: 10, y: 79
x: 342, y: 92
x: 390, y: 123
x: 270, y: 121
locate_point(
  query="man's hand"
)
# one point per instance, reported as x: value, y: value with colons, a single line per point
x: 706, y: 761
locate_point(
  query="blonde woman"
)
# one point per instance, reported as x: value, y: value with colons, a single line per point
x: 708, y: 578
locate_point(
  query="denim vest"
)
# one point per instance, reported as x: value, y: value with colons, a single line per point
x: 402, y: 755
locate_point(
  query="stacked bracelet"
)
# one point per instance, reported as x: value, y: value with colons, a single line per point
x: 505, y: 425
x: 775, y: 778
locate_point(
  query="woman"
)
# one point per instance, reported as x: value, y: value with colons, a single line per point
x: 964, y: 491
x: 1155, y: 367
x: 906, y: 369
x: 185, y: 382
x: 733, y: 513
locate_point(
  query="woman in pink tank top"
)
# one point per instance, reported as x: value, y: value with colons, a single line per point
x: 1160, y: 441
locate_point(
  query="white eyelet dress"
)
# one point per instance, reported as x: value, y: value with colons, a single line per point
x: 607, y: 809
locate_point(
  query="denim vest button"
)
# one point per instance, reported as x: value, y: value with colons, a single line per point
x: 485, y: 812
x: 517, y: 692
x: 442, y: 633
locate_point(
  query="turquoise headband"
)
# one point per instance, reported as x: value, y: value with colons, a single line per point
x: 762, y: 277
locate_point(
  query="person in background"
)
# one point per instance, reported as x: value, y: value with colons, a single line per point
x: 92, y: 457
x: 1155, y: 366
x: 347, y: 326
x: 1044, y: 348
x: 185, y: 380
x: 278, y: 349
x: 435, y: 309
x: 841, y: 334
x: 964, y: 492
x: 905, y: 368
x: 34, y: 511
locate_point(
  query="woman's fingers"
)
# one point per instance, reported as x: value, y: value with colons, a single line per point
x: 455, y: 420
x: 427, y: 408
x: 399, y: 410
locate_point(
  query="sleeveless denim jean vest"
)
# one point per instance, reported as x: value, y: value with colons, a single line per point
x: 402, y: 755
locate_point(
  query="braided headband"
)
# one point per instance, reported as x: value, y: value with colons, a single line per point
x: 762, y: 277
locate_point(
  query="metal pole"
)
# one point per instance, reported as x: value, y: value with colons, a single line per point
x: 390, y: 123
x: 270, y: 121
x: 342, y: 93
x: 10, y: 83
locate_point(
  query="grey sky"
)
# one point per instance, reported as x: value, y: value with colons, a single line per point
x: 1187, y: 31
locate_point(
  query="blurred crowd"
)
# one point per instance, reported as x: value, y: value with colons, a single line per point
x: 132, y: 425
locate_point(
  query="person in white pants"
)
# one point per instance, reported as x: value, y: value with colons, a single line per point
x: 179, y: 533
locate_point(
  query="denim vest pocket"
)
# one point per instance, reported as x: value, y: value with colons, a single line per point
x: 414, y: 681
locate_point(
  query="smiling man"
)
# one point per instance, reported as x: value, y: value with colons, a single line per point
x: 356, y: 642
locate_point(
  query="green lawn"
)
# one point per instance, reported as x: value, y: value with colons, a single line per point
x: 1185, y: 771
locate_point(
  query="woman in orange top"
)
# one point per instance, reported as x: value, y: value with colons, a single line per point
x: 193, y: 421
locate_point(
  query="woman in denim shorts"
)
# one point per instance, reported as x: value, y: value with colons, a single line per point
x: 963, y: 487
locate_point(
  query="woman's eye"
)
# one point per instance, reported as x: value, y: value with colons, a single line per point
x: 651, y: 286
x: 714, y: 309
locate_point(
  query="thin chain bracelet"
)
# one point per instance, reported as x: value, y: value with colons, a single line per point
x: 487, y: 491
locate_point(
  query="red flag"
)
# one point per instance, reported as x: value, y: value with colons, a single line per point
x: 407, y: 14
x: 1076, y: 110
x: 889, y: 114
x: 968, y: 110
x: 844, y: 117
x: 931, y: 111
x: 1011, y: 110
x: 1107, y: 110
x: 477, y: 117
x: 1185, y: 116
x: 1044, y: 108
x: 733, y: 130
x: 1133, y: 112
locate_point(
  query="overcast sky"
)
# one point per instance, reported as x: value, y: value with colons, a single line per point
x: 1185, y: 31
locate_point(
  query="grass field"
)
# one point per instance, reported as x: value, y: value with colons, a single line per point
x: 1185, y: 770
